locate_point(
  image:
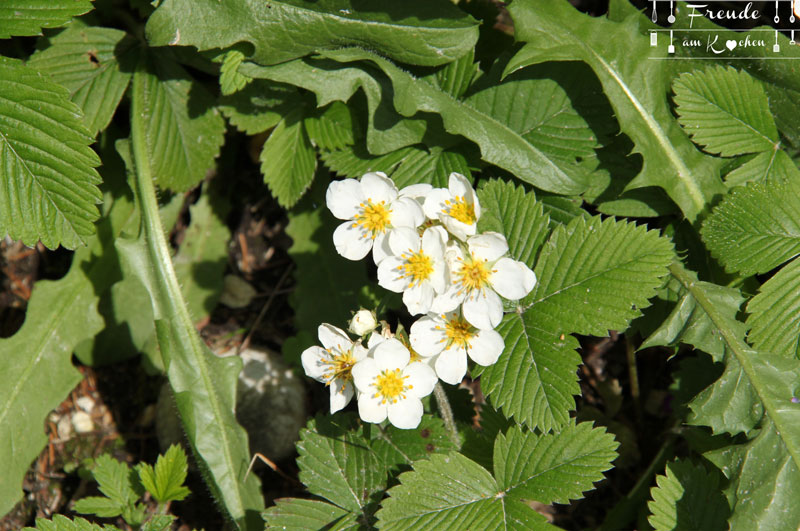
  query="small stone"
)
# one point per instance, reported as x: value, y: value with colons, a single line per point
x: 64, y: 428
x: 82, y: 422
x: 86, y: 403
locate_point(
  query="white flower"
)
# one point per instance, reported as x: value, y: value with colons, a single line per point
x: 417, y: 268
x: 390, y: 386
x: 373, y: 208
x: 448, y: 339
x: 333, y: 364
x: 457, y: 207
x: 363, y: 322
x: 479, y: 275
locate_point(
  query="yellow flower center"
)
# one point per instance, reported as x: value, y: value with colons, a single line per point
x: 473, y: 274
x: 459, y: 332
x: 340, y: 365
x: 461, y: 210
x: 390, y: 385
x: 418, y: 267
x: 374, y: 217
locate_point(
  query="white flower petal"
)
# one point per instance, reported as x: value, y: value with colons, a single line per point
x: 351, y: 241
x: 359, y: 352
x: 421, y: 379
x: 416, y: 191
x: 375, y: 339
x: 312, y: 359
x: 435, y: 203
x: 343, y: 198
x: 485, y: 347
x: 488, y: 246
x: 391, y: 354
x: 405, y: 414
x: 483, y: 309
x: 419, y: 298
x: 403, y: 240
x: 458, y: 185
x: 370, y: 409
x: 390, y: 274
x: 332, y: 337
x: 364, y: 373
x: 462, y: 231
x: 447, y: 301
x: 433, y: 242
x: 451, y: 365
x: 380, y: 248
x: 512, y: 279
x: 439, y: 277
x: 427, y: 335
x: 378, y: 187
x: 406, y: 212
x: 341, y: 393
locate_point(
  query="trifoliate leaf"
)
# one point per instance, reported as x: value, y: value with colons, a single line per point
x: 762, y: 476
x: 332, y: 127
x: 295, y: 514
x: 49, y: 184
x: 230, y: 80
x: 451, y: 491
x: 28, y: 17
x: 635, y: 82
x: 515, y: 214
x: 774, y: 319
x: 113, y: 480
x: 165, y: 482
x: 62, y: 523
x: 97, y: 505
x: 414, y: 31
x: 184, y: 133
x: 688, y: 497
x: 260, y: 105
x: 86, y: 60
x: 770, y: 166
x: 288, y: 160
x: 336, y: 462
x: 595, y: 275
x: 725, y: 110
x: 535, y: 378
x: 755, y: 228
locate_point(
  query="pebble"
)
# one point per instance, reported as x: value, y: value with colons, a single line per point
x: 82, y: 422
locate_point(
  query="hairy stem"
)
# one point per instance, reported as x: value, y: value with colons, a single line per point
x: 447, y: 413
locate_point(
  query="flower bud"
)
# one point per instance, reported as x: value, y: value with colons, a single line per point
x: 363, y: 322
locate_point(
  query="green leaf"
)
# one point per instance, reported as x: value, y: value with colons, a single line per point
x: 165, y: 482
x: 514, y: 213
x: 688, y: 498
x: 536, y: 377
x: 455, y: 78
x: 332, y: 127
x: 755, y: 228
x: 595, y: 275
x: 159, y: 522
x: 102, y: 507
x: 260, y: 105
x: 288, y: 160
x: 86, y: 60
x: 434, y: 166
x: 113, y: 479
x: 414, y: 31
x: 395, y: 446
x: 635, y: 82
x: 62, y: 523
x: 184, y: 131
x: 544, y: 468
x: 49, y: 184
x: 337, y: 463
x: 770, y: 166
x: 28, y: 17
x: 230, y: 80
x: 296, y: 514
x: 203, y: 255
x: 204, y: 385
x: 774, y: 318
x: 557, y: 107
x: 761, y: 477
x: 355, y: 161
x: 725, y: 110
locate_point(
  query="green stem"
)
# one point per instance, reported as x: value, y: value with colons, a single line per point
x: 633, y: 376
x: 739, y: 349
x: 447, y: 413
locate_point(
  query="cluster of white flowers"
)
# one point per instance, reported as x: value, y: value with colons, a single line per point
x: 424, y: 241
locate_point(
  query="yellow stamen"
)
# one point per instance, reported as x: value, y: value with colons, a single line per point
x: 418, y: 267
x: 390, y: 386
x: 459, y: 332
x: 340, y: 365
x: 374, y: 217
x: 461, y: 210
x: 473, y: 274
